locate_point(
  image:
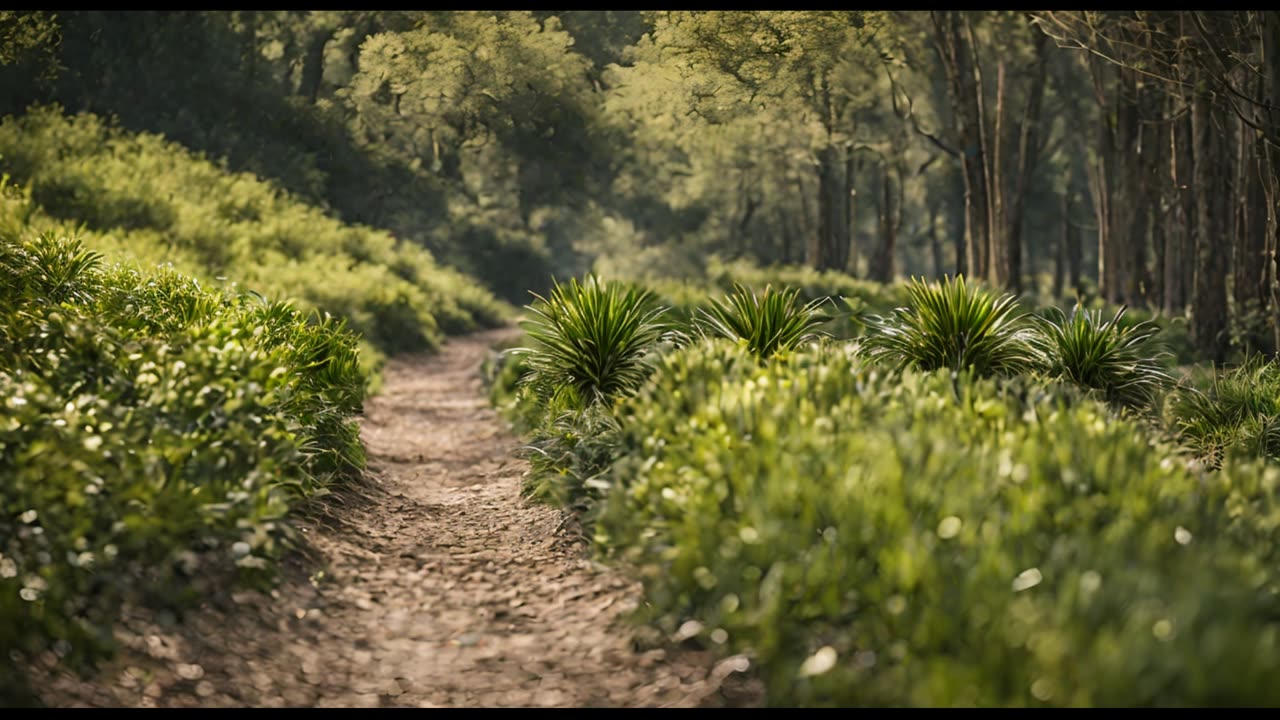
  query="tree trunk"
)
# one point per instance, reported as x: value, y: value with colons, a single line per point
x: 1028, y: 157
x: 1143, y: 188
x: 787, y: 238
x: 882, y: 269
x: 1113, y: 179
x: 1060, y: 247
x: 1100, y: 192
x: 1271, y: 171
x: 1248, y: 258
x: 313, y: 64
x: 955, y: 226
x: 809, y: 237
x: 956, y: 55
x: 851, y: 212
x: 988, y: 159
x: 831, y: 247
x: 251, y: 43
x: 1175, y: 294
x: 1155, y: 182
x: 1208, y: 300
x: 997, y: 222
x: 935, y: 243
x: 1075, y: 260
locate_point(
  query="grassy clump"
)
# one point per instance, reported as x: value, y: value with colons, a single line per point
x: 955, y: 325
x: 766, y: 323
x: 592, y: 343
x: 1120, y: 361
x: 1236, y: 413
x: 591, y: 339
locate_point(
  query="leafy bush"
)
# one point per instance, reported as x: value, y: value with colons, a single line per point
x: 766, y: 324
x: 1119, y: 361
x: 591, y: 339
x: 886, y: 539
x: 952, y: 325
x: 153, y: 436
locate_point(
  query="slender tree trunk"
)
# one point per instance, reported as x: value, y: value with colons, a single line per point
x: 750, y: 205
x: 809, y: 237
x: 832, y: 250
x: 251, y: 44
x: 313, y: 64
x: 851, y: 212
x: 1248, y: 269
x: 1208, y: 300
x: 1154, y: 145
x: 1122, y: 241
x: 957, y: 60
x: 1175, y: 229
x: 935, y: 242
x: 788, y: 238
x: 1187, y: 197
x: 832, y: 247
x: 1100, y: 192
x: 882, y: 269
x: 997, y: 221
x: 1060, y: 247
x: 989, y: 160
x: 1075, y: 255
x: 1270, y: 171
x: 1028, y: 158
x: 1113, y: 177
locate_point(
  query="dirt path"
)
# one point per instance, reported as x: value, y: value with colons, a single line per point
x: 442, y: 588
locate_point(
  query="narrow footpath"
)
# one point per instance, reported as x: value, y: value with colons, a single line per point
x: 441, y: 586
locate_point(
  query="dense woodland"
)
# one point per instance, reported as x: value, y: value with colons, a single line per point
x: 914, y: 358
x: 1125, y: 154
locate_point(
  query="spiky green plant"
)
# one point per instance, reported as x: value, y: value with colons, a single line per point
x: 591, y: 339
x: 50, y: 267
x: 950, y: 324
x: 1120, y: 362
x: 1239, y: 411
x: 767, y: 323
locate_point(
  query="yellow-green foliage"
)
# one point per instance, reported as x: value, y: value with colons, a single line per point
x: 881, y: 537
x: 872, y: 538
x: 152, y: 201
x: 153, y: 435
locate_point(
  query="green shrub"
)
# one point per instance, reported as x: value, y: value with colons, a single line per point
x: 568, y: 456
x: 153, y: 436
x: 952, y: 325
x: 914, y: 539
x: 1119, y: 361
x: 766, y: 324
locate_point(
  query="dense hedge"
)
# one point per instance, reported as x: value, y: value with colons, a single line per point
x: 152, y: 201
x: 923, y: 539
x: 178, y: 376
x: 877, y: 535
x: 153, y: 435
